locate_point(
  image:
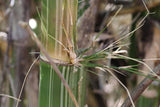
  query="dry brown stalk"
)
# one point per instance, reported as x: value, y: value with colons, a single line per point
x: 141, y: 87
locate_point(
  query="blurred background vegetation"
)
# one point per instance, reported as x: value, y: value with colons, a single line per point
x: 94, y: 17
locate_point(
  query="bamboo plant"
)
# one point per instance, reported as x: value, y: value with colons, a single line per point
x: 58, y: 21
x: 58, y: 24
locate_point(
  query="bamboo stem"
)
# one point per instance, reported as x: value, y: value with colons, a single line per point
x: 24, y: 25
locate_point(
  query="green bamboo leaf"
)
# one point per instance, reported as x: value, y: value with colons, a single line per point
x: 135, y: 71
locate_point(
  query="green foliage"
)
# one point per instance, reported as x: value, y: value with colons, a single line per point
x: 46, y: 96
x: 52, y: 91
x: 134, y: 70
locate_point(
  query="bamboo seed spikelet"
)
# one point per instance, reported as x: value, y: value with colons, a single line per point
x: 58, y: 23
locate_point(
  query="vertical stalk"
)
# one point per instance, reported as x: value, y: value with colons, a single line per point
x: 58, y: 22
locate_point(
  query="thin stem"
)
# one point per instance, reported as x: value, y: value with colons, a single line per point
x: 129, y: 95
x: 141, y: 87
x: 25, y: 80
x: 5, y: 95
